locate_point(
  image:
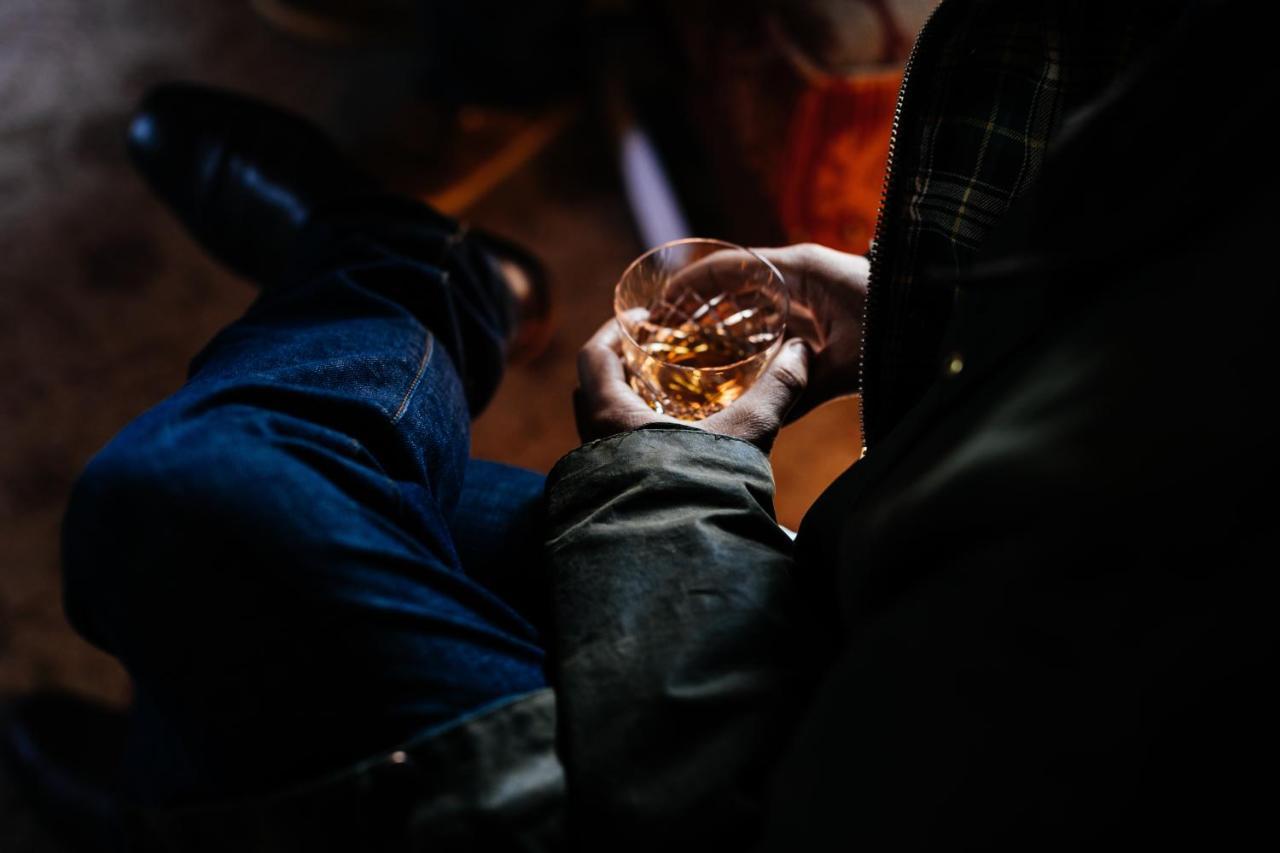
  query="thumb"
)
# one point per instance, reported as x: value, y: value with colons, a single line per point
x: 783, y: 381
x: 759, y: 413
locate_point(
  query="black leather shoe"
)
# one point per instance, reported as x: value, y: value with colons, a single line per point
x: 242, y: 175
x: 245, y: 177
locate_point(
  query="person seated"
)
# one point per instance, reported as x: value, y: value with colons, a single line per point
x: 1035, y: 612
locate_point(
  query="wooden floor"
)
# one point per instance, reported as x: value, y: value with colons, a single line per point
x: 103, y: 299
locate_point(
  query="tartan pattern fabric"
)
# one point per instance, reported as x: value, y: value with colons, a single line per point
x: 993, y: 91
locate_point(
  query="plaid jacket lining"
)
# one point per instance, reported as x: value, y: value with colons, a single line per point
x: 993, y: 94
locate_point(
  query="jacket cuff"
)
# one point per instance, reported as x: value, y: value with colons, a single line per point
x: 674, y: 447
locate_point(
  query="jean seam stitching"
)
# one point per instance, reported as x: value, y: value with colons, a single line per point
x: 417, y: 379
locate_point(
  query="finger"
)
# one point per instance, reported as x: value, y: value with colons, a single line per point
x: 804, y: 323
x: 759, y: 412
x: 602, y: 378
x: 802, y: 261
x: 599, y: 360
x: 783, y: 381
x: 819, y: 275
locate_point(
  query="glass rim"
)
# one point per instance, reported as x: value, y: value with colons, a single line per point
x: 725, y: 244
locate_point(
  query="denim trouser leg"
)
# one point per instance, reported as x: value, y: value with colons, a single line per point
x: 271, y: 551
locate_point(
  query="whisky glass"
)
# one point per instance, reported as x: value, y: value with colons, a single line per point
x: 701, y: 319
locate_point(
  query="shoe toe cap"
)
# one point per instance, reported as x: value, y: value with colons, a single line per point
x: 175, y: 146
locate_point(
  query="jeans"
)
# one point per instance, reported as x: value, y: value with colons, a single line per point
x: 293, y: 555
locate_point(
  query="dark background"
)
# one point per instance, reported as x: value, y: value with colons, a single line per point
x: 103, y: 299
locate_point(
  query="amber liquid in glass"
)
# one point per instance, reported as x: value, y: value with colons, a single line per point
x: 696, y: 368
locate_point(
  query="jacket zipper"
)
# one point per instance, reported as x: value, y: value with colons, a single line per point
x: 887, y: 188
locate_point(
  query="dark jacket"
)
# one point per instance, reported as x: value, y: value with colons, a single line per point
x: 1036, y: 614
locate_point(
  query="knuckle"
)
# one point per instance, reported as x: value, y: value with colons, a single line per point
x: 753, y: 424
x: 810, y: 251
x: 792, y: 379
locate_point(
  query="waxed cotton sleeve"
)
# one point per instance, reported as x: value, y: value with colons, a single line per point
x: 675, y: 659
